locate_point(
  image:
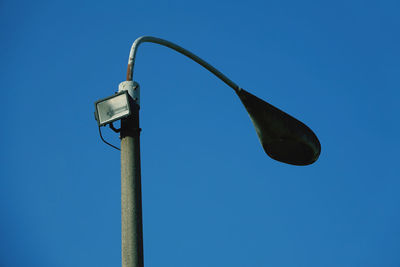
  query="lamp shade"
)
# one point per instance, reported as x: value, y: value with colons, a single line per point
x: 283, y: 137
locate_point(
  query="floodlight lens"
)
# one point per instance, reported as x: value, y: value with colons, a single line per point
x: 112, y: 109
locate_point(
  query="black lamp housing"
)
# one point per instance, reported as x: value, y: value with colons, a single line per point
x: 283, y: 137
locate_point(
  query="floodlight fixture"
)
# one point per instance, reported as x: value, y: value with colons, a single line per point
x: 112, y: 108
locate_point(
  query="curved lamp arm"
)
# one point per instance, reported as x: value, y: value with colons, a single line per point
x: 283, y: 137
x: 149, y: 39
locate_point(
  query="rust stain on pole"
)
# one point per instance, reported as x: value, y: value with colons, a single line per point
x: 129, y: 72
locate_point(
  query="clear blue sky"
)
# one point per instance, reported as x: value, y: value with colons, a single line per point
x: 211, y: 197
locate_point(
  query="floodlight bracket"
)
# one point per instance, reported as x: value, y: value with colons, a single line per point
x: 111, y: 125
x: 133, y: 89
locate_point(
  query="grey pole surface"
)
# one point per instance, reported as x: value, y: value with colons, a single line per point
x: 131, y: 192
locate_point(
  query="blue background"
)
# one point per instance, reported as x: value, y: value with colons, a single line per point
x: 211, y: 197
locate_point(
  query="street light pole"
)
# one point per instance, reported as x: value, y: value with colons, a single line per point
x: 131, y: 188
x: 283, y: 138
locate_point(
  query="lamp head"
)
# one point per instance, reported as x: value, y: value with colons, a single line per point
x: 283, y: 137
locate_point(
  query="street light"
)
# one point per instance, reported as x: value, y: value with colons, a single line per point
x: 283, y: 138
